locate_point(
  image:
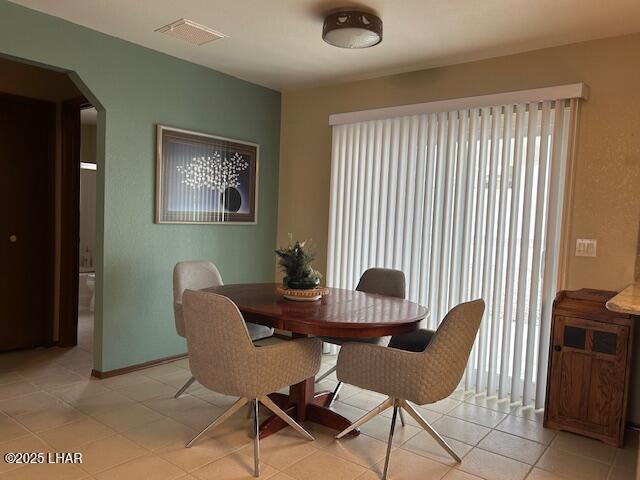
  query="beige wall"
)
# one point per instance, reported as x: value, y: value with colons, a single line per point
x: 88, y: 143
x: 607, y: 170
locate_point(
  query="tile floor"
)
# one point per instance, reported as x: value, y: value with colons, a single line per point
x: 130, y: 427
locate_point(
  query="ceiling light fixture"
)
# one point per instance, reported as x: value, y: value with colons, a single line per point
x: 352, y: 29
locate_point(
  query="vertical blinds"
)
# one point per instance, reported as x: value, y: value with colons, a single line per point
x: 468, y: 203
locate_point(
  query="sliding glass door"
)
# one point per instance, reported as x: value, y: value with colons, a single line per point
x: 468, y: 203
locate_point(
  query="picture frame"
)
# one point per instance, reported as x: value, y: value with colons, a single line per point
x: 205, y: 179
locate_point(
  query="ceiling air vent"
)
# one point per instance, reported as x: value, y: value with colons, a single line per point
x: 191, y: 32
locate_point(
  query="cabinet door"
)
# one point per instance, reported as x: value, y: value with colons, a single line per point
x: 588, y: 374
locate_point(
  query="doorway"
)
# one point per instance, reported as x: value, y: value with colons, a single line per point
x: 87, y: 237
x: 43, y: 144
x: 27, y: 151
x: 76, y: 257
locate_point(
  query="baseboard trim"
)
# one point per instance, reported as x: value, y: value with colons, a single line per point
x: 136, y: 367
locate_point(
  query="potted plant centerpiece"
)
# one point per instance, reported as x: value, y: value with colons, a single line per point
x: 301, y: 281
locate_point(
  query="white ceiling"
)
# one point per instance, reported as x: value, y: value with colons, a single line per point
x: 277, y: 43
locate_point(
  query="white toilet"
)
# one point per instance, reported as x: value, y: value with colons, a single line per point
x: 91, y: 284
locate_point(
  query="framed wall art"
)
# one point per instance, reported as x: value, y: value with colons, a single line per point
x: 203, y: 178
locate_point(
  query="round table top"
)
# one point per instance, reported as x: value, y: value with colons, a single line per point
x: 341, y: 313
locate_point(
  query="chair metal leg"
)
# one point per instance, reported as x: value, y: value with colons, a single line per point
x: 396, y: 407
x: 256, y: 438
x: 326, y: 374
x: 368, y: 416
x: 233, y: 409
x: 335, y: 394
x: 424, y: 424
x: 267, y: 402
x: 402, y: 422
x: 184, y: 387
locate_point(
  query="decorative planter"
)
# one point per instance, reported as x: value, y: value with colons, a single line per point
x: 303, y: 284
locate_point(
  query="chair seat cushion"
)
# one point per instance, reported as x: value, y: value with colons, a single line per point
x: 258, y: 332
x: 413, y: 341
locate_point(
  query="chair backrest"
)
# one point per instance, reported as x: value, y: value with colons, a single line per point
x: 192, y: 275
x: 446, y: 356
x: 383, y: 281
x: 221, y: 354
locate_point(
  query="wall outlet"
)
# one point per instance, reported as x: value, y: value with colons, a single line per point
x: 586, y: 247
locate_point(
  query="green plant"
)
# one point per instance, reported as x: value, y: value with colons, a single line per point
x: 295, y: 262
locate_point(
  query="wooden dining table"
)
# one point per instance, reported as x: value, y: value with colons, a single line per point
x: 341, y: 313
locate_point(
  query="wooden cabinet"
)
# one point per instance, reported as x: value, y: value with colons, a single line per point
x: 588, y: 376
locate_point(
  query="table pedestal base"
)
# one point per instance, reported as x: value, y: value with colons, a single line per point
x: 303, y: 404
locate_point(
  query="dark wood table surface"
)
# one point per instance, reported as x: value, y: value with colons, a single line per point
x: 341, y: 313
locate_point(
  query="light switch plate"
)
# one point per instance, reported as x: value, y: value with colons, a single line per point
x: 586, y: 247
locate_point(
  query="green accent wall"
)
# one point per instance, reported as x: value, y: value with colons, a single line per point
x: 134, y: 89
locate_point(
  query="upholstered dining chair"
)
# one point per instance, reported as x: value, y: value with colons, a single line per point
x: 383, y: 281
x: 195, y: 275
x: 223, y: 358
x: 420, y: 377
